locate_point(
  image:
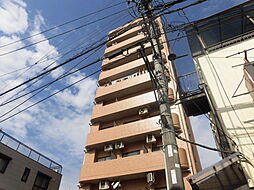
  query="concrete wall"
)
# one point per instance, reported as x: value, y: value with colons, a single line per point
x: 236, y: 113
x: 11, y: 178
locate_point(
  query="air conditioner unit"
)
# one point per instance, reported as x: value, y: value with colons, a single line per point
x: 143, y: 112
x: 119, y: 145
x: 116, y: 185
x: 150, y: 178
x: 79, y: 185
x: 108, y: 148
x: 150, y: 139
x: 104, y: 185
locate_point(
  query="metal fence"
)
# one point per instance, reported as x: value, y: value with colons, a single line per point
x: 189, y: 84
x: 29, y: 152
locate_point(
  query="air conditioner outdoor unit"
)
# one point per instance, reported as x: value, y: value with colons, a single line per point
x: 150, y: 139
x: 104, y: 185
x: 143, y: 112
x: 108, y: 148
x: 119, y: 145
x: 150, y: 178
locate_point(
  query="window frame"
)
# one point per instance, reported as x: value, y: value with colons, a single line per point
x: 25, y: 175
x: 39, y: 187
x: 7, y: 160
x: 132, y: 153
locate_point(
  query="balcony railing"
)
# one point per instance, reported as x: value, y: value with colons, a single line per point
x: 29, y: 152
x: 189, y: 84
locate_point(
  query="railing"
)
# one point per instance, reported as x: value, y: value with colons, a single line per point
x: 189, y: 84
x: 29, y: 152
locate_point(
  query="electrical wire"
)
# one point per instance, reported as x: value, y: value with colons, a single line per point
x: 185, y: 7
x: 15, y: 71
x: 63, y: 24
x: 63, y: 33
x: 33, y: 65
x: 50, y: 83
x: 103, y: 44
x: 229, y: 101
x: 40, y: 78
x: 203, y: 146
x: 70, y: 59
x: 55, y: 93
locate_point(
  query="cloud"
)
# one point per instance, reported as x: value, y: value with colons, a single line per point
x: 14, y: 18
x: 57, y: 128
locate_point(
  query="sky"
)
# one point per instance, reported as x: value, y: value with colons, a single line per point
x: 58, y: 126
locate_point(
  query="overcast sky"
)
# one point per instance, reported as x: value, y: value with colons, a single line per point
x: 58, y: 127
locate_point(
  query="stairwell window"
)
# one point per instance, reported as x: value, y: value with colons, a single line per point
x: 25, y: 175
x: 133, y: 153
x: 4, y: 161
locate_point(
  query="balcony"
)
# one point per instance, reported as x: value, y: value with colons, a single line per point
x: 123, y: 166
x: 124, y: 44
x: 123, y: 87
x: 128, y: 34
x: 132, y: 165
x: 121, y: 108
x: 126, y: 27
x: 131, y: 131
x: 192, y: 94
x: 123, y: 70
x: 124, y: 131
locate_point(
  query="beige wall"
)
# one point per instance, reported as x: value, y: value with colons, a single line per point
x: 11, y: 178
x: 222, y: 80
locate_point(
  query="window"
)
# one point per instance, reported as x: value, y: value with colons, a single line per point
x: 131, y: 153
x: 41, y: 182
x: 104, y: 158
x: 25, y: 175
x: 4, y: 161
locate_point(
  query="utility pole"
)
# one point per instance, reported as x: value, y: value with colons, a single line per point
x: 173, y: 171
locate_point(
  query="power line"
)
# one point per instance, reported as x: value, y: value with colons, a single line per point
x: 52, y: 69
x: 204, y: 146
x: 81, y: 41
x: 224, y: 90
x: 185, y: 7
x: 58, y: 78
x: 34, y: 64
x: 17, y: 70
x: 50, y: 83
x: 119, y: 33
x: 60, y: 25
x: 77, y: 56
x: 63, y: 33
x: 49, y: 96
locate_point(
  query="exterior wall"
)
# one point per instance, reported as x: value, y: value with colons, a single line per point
x: 236, y: 113
x: 116, y: 118
x: 11, y: 178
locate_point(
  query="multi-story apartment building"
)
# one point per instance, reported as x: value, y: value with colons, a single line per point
x: 23, y: 168
x: 124, y: 146
x: 222, y: 46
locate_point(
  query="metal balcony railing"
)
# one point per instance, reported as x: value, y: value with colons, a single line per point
x: 189, y: 84
x: 29, y: 152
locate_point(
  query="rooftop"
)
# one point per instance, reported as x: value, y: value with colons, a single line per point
x: 27, y: 151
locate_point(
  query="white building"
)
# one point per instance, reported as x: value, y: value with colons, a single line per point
x: 223, y: 51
